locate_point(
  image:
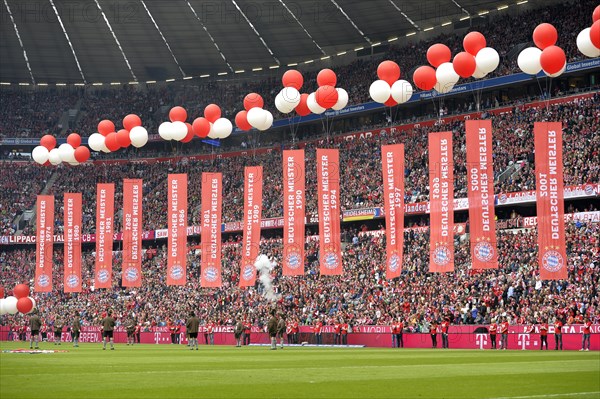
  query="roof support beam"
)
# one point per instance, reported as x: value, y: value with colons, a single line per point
x: 255, y: 31
x: 68, y: 40
x: 20, y: 42
x: 351, y: 21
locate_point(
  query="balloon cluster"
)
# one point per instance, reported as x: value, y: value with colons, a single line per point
x: 20, y: 302
x: 253, y: 114
x: 326, y: 96
x: 476, y: 61
x: 546, y: 55
x: 389, y: 90
x: 588, y: 40
x: 71, y: 152
x: 210, y: 125
x: 108, y: 139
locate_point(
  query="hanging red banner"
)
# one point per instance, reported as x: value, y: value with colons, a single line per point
x: 72, y: 244
x: 252, y: 215
x: 177, y: 220
x: 441, y: 197
x: 480, y: 177
x: 211, y: 229
x: 392, y: 162
x: 105, y: 213
x: 44, y: 240
x: 550, y: 202
x: 328, y: 188
x: 131, y: 268
x: 293, y: 212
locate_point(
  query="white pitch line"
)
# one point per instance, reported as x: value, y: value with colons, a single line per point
x: 550, y: 395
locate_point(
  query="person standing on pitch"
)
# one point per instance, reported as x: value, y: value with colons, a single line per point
x: 130, y: 328
x: 237, y: 333
x: 445, y: 329
x: 58, y: 327
x: 34, y: 324
x: 76, y: 330
x: 108, y: 328
x: 433, y: 332
x: 280, y: 330
x: 558, y: 334
x: 317, y: 329
x: 587, y: 325
x: 247, y: 331
x: 543, y: 335
x: 493, y: 331
x: 191, y: 326
x: 272, y: 328
x: 504, y: 334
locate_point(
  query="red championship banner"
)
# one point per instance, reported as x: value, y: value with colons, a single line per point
x: 441, y: 193
x: 392, y: 162
x: 480, y: 176
x: 177, y: 242
x: 328, y: 184
x: 131, y: 268
x: 252, y: 215
x: 105, y: 214
x: 72, y: 233
x: 550, y: 200
x: 293, y: 212
x: 211, y: 229
x: 44, y: 240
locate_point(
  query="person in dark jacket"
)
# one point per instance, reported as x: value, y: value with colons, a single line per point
x: 191, y: 326
x: 34, y: 324
x: 108, y: 328
x: 272, y: 328
x: 280, y: 330
x: 237, y: 332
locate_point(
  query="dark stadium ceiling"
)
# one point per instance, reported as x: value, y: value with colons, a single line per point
x: 88, y: 41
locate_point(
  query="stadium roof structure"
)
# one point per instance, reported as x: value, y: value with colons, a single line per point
x: 104, y: 41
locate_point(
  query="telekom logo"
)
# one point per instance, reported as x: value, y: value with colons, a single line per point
x: 523, y: 340
x: 481, y: 340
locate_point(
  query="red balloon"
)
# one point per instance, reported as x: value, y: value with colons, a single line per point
x: 24, y: 305
x: 326, y: 96
x: 123, y: 138
x: 545, y: 35
x: 82, y: 154
x: 74, y: 139
x: 292, y: 78
x: 48, y: 141
x: 106, y: 127
x: 473, y: 42
x: 326, y: 78
x: 212, y: 112
x: 21, y: 291
x: 190, y: 134
x: 177, y: 114
x: 131, y: 121
x: 252, y: 100
x: 464, y: 64
x: 438, y: 54
x: 424, y: 77
x: 302, y: 108
x: 388, y: 71
x: 112, y: 142
x: 552, y: 59
x: 595, y: 33
x: 201, y: 127
x: 241, y: 120
x: 596, y: 14
x: 390, y: 102
x: 1, y: 292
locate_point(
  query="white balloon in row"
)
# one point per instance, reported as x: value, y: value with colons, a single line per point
x: 40, y: 154
x: 529, y: 60
x: 401, y: 91
x: 138, y: 136
x: 8, y: 305
x: 287, y: 100
x: 260, y: 119
x: 172, y: 131
x: 585, y: 45
x: 221, y: 129
x: 342, y: 101
x: 446, y: 77
x: 312, y: 104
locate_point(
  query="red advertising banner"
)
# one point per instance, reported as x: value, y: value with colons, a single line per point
x: 253, y: 182
x: 211, y: 229
x: 72, y: 231
x: 44, y: 241
x: 328, y: 188
x: 293, y: 212
x: 105, y: 214
x: 550, y: 203
x: 441, y: 193
x: 480, y: 176
x: 392, y: 163
x: 177, y: 220
x: 131, y: 268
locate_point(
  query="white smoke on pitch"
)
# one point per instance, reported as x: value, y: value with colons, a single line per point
x: 264, y: 267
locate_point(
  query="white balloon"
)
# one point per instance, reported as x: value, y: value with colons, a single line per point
x: 10, y: 304
x: 529, y: 60
x: 66, y: 152
x: 479, y: 74
x: 487, y: 59
x: 445, y: 74
x: 178, y: 130
x: 138, y: 136
x: 165, y: 131
x: 105, y: 148
x: 585, y: 45
x: 256, y: 117
x: 54, y: 156
x: 96, y: 142
x: 283, y: 106
x: 40, y: 154
x: 443, y: 88
x: 402, y: 91
x: 33, y: 307
x: 380, y: 91
x: 222, y: 128
x: 291, y: 95
x: 557, y: 74
x: 211, y: 132
x: 3, y: 310
x: 311, y: 103
x: 268, y: 122
x: 342, y: 99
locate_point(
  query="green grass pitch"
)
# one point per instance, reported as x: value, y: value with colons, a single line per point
x: 168, y: 371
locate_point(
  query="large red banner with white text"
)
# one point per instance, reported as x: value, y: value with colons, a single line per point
x: 328, y: 188
x: 392, y: 163
x: 72, y: 245
x: 480, y: 177
x: 177, y: 220
x: 131, y: 268
x: 253, y: 184
x: 550, y: 203
x: 211, y: 229
x: 44, y: 240
x: 441, y: 194
x: 105, y: 214
x: 293, y: 212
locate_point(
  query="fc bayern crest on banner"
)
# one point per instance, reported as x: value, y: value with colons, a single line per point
x: 332, y: 261
x: 293, y: 260
x: 131, y: 274
x: 43, y: 280
x: 394, y: 263
x: 102, y: 276
x: 248, y: 272
x: 441, y: 255
x: 484, y: 251
x: 72, y: 281
x: 177, y: 272
x: 210, y: 274
x: 552, y: 261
